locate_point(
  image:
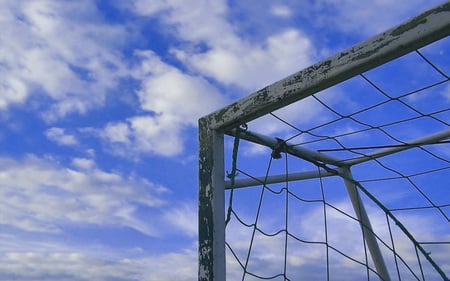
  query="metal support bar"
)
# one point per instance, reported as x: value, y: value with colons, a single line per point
x: 273, y: 143
x: 314, y: 156
x: 366, y: 227
x: 387, y: 151
x: 240, y: 183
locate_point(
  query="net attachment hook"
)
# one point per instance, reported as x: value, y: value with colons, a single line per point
x: 276, y: 152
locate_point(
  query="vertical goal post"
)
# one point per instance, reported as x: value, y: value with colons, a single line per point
x: 416, y: 33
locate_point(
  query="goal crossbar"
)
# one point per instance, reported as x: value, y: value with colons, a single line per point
x: 416, y: 33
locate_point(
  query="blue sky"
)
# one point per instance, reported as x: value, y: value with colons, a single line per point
x: 99, y: 102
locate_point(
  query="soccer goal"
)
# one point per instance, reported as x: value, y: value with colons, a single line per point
x: 338, y: 172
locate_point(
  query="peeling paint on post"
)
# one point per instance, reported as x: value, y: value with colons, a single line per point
x: 393, y: 43
x: 211, y: 221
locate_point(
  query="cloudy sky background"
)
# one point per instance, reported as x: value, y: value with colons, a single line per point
x: 99, y: 102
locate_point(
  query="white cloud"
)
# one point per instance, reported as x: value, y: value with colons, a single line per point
x: 75, y: 266
x: 40, y: 198
x: 229, y: 57
x: 40, y: 195
x: 83, y: 163
x: 63, y: 51
x: 168, y: 91
x: 174, y: 101
x: 59, y: 136
x: 13, y: 92
x: 252, y: 66
x: 49, y: 260
x: 203, y: 24
x: 184, y: 218
x: 175, y: 98
x: 281, y: 11
x: 365, y: 18
x: 117, y: 133
x: 156, y: 134
x: 60, y: 50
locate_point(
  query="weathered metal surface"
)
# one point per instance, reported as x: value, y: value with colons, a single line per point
x: 240, y: 183
x: 211, y: 225
x: 281, y: 146
x: 409, y: 36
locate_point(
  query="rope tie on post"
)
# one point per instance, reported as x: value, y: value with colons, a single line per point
x: 232, y: 175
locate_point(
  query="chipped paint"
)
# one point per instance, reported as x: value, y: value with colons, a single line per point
x: 421, y: 19
x: 211, y: 226
x: 205, y: 208
x: 398, y: 41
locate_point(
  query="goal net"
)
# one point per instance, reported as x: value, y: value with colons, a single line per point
x: 338, y: 172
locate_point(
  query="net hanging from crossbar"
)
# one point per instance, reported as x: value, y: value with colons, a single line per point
x: 357, y: 191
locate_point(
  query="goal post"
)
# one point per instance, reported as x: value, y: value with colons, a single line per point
x: 394, y: 43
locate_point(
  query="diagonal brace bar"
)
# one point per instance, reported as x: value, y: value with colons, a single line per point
x: 366, y: 227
